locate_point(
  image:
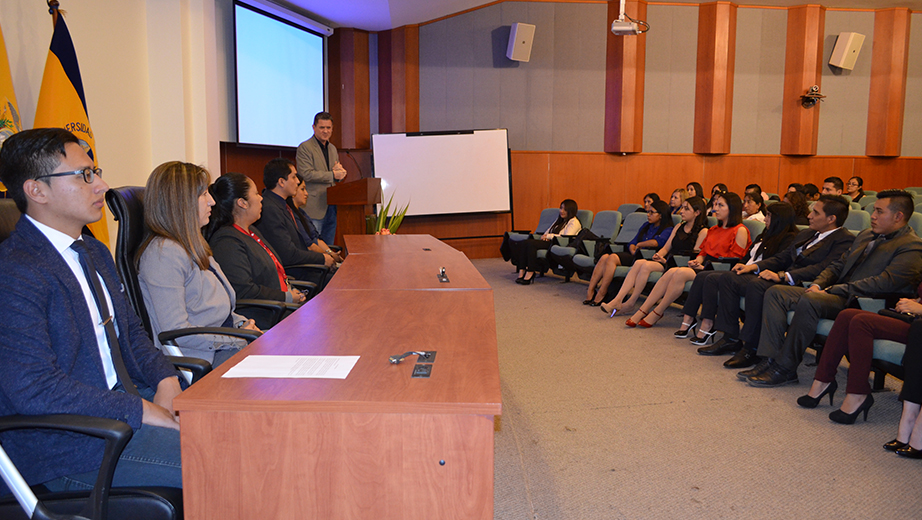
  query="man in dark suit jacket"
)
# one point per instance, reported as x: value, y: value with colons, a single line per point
x: 883, y: 261
x: 278, y: 222
x: 812, y: 250
x: 55, y: 357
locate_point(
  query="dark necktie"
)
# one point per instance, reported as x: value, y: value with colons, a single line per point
x: 868, y: 249
x: 808, y: 243
x: 96, y: 288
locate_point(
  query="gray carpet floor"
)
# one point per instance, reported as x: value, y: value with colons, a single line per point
x: 601, y: 421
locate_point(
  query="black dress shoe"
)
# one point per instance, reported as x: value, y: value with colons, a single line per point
x: 595, y: 304
x: 720, y: 348
x: 909, y: 452
x: 759, y: 368
x: 895, y: 445
x: 774, y: 375
x: 744, y: 358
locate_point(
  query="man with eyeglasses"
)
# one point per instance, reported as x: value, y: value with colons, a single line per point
x: 70, y: 343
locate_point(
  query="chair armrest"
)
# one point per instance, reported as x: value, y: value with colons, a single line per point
x: 115, y: 433
x: 277, y: 306
x: 308, y: 288
x: 320, y: 271
x: 168, y: 337
x: 198, y: 367
x: 872, y: 304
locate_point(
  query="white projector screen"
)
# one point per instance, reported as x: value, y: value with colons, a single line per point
x: 445, y: 172
x: 279, y: 78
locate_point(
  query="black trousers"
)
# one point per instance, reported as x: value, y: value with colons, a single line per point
x: 703, y: 293
x: 731, y: 288
x: 912, y: 365
x: 525, y: 254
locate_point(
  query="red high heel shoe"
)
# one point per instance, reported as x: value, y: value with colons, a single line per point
x: 630, y: 322
x: 643, y: 323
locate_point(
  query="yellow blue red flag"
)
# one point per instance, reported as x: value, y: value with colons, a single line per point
x: 9, y: 111
x: 62, y: 103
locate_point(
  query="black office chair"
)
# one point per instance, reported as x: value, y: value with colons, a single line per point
x: 127, y: 206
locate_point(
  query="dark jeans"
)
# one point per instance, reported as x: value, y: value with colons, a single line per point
x: 327, y: 225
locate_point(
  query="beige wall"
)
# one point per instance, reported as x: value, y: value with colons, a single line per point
x: 150, y: 74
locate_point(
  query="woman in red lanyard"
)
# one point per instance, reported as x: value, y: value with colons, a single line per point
x: 247, y: 259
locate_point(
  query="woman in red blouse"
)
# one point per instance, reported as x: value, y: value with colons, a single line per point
x: 729, y: 238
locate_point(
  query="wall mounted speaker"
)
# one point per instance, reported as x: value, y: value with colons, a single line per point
x: 844, y: 54
x: 521, y: 37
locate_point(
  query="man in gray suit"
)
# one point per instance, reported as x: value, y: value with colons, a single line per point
x: 883, y: 261
x: 318, y: 163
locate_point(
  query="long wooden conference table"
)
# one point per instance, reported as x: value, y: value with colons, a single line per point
x: 379, y: 444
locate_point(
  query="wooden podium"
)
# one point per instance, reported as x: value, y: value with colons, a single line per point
x: 353, y: 201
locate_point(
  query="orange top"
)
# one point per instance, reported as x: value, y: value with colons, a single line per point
x: 721, y: 242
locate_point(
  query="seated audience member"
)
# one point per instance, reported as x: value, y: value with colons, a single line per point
x: 717, y: 188
x: 883, y: 260
x: 729, y: 238
x: 278, y: 223
x: 801, y: 210
x: 855, y: 188
x: 811, y: 192
x: 694, y: 189
x: 676, y: 200
x: 525, y: 253
x: 70, y: 342
x: 812, y: 250
x: 685, y: 239
x: 795, y: 186
x: 648, y: 201
x: 306, y: 229
x: 250, y: 263
x: 182, y: 284
x: 908, y: 441
x: 653, y: 233
x: 755, y: 188
x: 778, y: 235
x: 854, y: 333
x: 754, y: 206
x: 832, y: 186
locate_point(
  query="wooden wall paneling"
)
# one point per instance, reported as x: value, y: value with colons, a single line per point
x: 582, y: 177
x: 357, y: 164
x: 659, y: 173
x: 714, y: 77
x: 530, y: 188
x: 470, y: 225
x: 349, y: 86
x: 814, y: 169
x: 398, y: 84
x: 738, y: 171
x: 802, y: 69
x: 624, y: 83
x: 881, y: 173
x: 889, y: 66
x: 250, y: 160
x: 487, y: 247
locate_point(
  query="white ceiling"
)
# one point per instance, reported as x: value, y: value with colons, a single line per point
x: 380, y: 15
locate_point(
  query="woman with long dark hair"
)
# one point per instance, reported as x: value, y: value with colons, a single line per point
x: 694, y: 189
x: 654, y: 233
x: 685, y: 239
x: 855, y: 188
x: 525, y: 253
x: 729, y: 238
x: 778, y: 235
x: 797, y: 200
x: 181, y: 283
x: 250, y: 263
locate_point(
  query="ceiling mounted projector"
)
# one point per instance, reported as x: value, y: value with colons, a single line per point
x: 627, y: 26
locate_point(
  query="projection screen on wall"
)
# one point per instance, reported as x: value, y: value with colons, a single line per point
x: 445, y: 172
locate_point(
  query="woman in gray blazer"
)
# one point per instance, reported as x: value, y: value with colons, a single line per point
x: 182, y: 284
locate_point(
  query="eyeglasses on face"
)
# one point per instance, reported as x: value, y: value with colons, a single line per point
x: 89, y: 174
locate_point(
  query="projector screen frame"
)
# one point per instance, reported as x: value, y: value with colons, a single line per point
x: 508, y: 175
x: 296, y: 20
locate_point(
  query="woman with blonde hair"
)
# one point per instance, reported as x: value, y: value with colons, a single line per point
x: 181, y: 283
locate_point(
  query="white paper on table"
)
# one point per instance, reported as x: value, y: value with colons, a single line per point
x: 301, y: 367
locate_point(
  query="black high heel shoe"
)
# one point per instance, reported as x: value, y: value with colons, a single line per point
x: 682, y: 334
x: 812, y: 402
x: 909, y: 452
x: 849, y: 418
x: 895, y: 445
x: 706, y: 340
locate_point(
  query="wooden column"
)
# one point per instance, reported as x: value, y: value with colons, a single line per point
x: 889, y: 64
x: 349, y: 89
x: 714, y: 78
x: 803, y: 64
x: 624, y: 76
x: 398, y: 79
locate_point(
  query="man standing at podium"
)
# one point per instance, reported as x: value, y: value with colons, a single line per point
x: 318, y: 164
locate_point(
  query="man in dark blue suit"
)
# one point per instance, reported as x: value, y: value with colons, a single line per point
x: 59, y: 353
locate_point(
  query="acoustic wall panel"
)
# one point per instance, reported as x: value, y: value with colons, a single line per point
x: 912, y: 120
x: 844, y: 112
x: 373, y: 83
x: 669, y: 85
x: 758, y: 81
x: 553, y: 102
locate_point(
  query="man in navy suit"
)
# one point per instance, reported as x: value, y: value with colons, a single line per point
x: 55, y: 348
